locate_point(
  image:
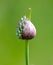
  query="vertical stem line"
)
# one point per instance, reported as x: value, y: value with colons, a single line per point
x: 27, y: 52
x: 26, y: 41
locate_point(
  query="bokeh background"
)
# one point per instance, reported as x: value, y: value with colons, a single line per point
x: 12, y: 50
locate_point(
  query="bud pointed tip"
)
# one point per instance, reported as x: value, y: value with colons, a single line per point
x: 29, y: 8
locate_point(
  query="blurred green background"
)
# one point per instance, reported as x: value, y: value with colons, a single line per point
x: 12, y: 50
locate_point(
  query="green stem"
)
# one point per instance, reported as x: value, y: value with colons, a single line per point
x: 27, y: 52
x: 26, y: 42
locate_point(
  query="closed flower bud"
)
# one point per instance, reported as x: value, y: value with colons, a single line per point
x: 25, y: 29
